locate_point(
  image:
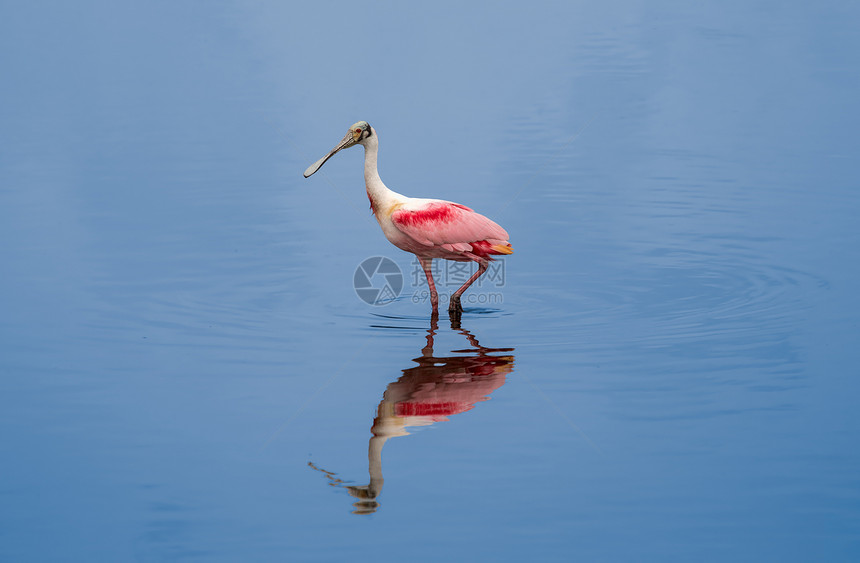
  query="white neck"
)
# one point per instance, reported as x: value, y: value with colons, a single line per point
x: 380, y: 196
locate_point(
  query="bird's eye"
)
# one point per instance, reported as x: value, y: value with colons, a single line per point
x: 358, y: 130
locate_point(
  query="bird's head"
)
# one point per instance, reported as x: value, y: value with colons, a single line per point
x: 357, y: 135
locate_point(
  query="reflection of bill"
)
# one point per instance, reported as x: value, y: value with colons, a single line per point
x: 438, y: 387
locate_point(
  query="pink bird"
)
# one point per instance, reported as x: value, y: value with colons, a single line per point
x: 428, y: 228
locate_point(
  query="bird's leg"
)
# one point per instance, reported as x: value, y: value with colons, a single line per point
x: 427, y: 351
x: 426, y: 264
x: 455, y: 298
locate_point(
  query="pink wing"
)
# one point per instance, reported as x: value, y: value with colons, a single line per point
x: 449, y: 225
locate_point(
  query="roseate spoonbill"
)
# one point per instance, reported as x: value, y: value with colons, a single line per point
x: 428, y: 228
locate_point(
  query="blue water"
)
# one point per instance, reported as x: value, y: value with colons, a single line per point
x: 664, y: 370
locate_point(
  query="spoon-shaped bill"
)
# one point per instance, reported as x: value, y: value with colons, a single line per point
x: 346, y: 142
x: 317, y: 165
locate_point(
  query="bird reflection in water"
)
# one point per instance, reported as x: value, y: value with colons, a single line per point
x: 438, y: 387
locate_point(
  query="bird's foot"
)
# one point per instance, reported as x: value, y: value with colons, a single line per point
x: 454, y: 306
x: 455, y: 316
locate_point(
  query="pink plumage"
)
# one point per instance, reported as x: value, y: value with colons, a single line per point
x: 452, y: 227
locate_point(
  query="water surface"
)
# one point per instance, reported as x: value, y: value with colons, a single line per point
x: 664, y: 370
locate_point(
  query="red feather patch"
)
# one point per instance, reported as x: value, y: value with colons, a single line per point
x: 433, y: 213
